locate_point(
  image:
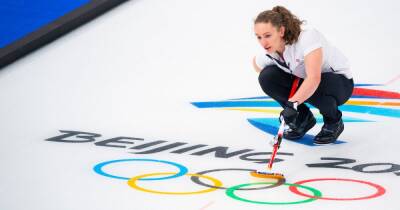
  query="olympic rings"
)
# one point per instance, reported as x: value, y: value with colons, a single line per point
x: 99, y: 168
x: 379, y: 189
x: 217, y: 184
x: 196, y: 179
x: 132, y: 183
x: 231, y: 193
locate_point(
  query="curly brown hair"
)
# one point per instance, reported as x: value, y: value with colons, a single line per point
x: 280, y: 16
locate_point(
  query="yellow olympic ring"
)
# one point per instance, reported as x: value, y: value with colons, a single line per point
x: 132, y: 183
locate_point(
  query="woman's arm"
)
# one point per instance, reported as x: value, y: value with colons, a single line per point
x: 313, y: 64
x: 258, y: 69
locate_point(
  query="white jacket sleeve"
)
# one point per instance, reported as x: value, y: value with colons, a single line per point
x: 262, y: 60
x: 310, y: 40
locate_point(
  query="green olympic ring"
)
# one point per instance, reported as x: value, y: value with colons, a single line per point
x: 231, y: 193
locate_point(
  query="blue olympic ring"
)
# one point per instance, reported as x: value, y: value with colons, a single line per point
x: 98, y: 169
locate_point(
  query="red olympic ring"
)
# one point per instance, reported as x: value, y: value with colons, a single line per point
x: 380, y: 190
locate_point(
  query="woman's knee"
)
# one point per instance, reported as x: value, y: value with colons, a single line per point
x: 268, y: 78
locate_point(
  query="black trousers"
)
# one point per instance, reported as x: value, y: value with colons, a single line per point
x: 333, y: 91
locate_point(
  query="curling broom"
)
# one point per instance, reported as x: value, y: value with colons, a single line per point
x: 276, y: 144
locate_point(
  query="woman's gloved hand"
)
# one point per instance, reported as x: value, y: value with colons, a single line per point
x: 290, y: 113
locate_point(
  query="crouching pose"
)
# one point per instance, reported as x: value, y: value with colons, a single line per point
x: 325, y: 78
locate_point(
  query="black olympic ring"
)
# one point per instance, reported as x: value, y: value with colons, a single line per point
x: 196, y: 179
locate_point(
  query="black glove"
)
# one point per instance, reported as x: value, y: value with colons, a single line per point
x: 290, y: 113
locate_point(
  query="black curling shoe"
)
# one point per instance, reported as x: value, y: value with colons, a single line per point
x: 329, y: 133
x: 300, y: 129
